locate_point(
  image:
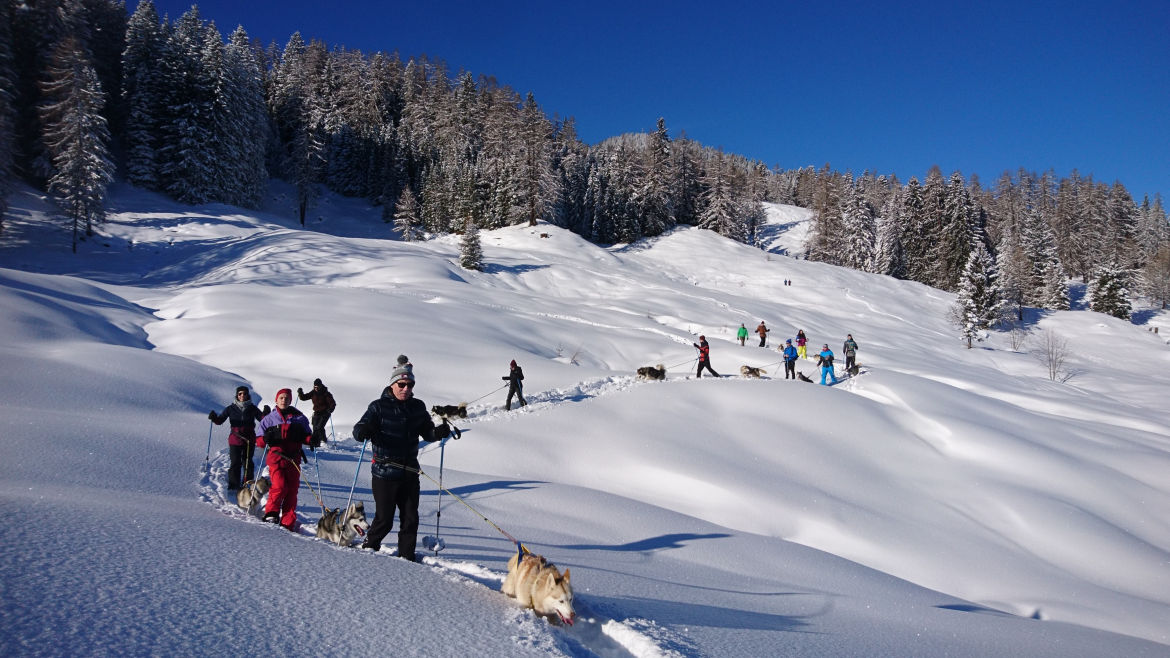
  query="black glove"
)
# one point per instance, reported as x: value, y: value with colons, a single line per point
x: 300, y: 391
x: 267, y: 410
x: 211, y: 416
x: 443, y: 430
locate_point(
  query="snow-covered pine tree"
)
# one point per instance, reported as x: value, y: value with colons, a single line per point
x: 654, y: 198
x: 721, y: 212
x: 859, y: 230
x: 186, y: 158
x: 890, y: 257
x: 916, y: 239
x: 142, y: 63
x: 1109, y: 291
x: 241, y: 102
x: 538, y: 186
x: 955, y: 238
x: 76, y: 135
x: 7, y: 108
x: 978, y: 304
x: 827, y: 222
x: 406, y: 216
x: 470, y: 250
x: 1015, y: 269
x: 1122, y: 216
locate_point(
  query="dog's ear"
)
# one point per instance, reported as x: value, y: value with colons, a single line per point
x: 566, y: 576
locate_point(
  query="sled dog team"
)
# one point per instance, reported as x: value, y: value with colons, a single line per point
x: 791, y: 353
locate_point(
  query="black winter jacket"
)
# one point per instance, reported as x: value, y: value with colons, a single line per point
x: 394, y: 427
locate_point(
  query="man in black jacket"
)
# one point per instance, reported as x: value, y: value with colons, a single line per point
x: 515, y: 379
x: 393, y: 424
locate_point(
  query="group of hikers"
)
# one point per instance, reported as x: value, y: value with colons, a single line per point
x: 394, y: 423
x: 791, y: 353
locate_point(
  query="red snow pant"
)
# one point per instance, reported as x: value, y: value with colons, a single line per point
x: 282, y: 497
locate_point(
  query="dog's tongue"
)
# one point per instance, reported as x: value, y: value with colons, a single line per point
x: 568, y: 621
x: 360, y: 531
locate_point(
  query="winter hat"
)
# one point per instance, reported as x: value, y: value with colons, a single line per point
x: 513, y: 363
x: 702, y: 337
x: 825, y: 346
x: 286, y: 391
x: 401, y: 373
x: 402, y: 360
x: 241, y: 389
x: 317, y: 382
x: 789, y: 341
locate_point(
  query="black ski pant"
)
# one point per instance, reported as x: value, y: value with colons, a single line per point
x: 705, y: 363
x: 240, y: 460
x: 389, y: 495
x: 850, y: 361
x: 320, y: 418
x: 519, y: 393
x: 790, y: 369
x: 764, y: 340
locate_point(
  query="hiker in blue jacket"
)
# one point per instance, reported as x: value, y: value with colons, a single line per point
x: 825, y: 361
x: 790, y: 357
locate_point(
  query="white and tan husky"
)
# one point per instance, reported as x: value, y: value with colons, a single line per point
x: 251, y: 493
x: 535, y: 583
x: 342, y: 531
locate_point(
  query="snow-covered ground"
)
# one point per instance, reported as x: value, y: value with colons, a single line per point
x: 945, y: 502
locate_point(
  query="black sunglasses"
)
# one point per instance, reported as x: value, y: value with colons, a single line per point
x: 404, y: 384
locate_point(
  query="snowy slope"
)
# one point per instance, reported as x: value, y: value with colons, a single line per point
x: 948, y: 501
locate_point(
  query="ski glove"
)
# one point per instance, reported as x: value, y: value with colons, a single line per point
x: 267, y: 410
x: 211, y: 416
x: 442, y: 431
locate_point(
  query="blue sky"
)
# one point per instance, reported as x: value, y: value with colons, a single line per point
x: 890, y: 87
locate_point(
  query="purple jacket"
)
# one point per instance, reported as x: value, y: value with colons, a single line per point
x: 285, y: 432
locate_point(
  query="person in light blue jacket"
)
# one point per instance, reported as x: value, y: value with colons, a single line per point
x: 825, y: 361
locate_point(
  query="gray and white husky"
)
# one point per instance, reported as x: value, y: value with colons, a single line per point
x: 343, y: 529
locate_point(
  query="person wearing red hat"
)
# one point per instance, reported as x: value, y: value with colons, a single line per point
x: 704, y: 357
x: 284, y: 431
x: 515, y: 379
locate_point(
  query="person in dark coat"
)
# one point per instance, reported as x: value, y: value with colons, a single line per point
x: 323, y: 407
x: 850, y: 350
x: 243, y: 416
x: 393, y: 424
x: 704, y: 357
x: 515, y: 379
x: 284, y: 431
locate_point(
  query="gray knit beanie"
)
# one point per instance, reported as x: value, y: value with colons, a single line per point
x: 401, y: 373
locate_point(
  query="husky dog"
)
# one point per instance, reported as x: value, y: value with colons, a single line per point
x: 342, y: 531
x: 450, y: 410
x: 652, y: 373
x: 802, y: 377
x: 250, y: 494
x: 535, y: 583
x: 853, y: 370
x: 748, y: 371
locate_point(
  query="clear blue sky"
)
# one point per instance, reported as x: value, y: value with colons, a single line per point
x: 893, y: 87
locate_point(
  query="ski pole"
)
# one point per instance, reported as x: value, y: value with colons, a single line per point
x: 332, y: 433
x: 207, y: 459
x: 439, y: 504
x: 355, y: 475
x: 317, y: 467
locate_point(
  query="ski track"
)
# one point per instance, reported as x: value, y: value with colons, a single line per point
x: 596, y: 632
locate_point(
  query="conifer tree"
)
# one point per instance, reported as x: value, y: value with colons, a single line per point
x: 142, y: 63
x: 721, y: 212
x: 406, y: 216
x: 470, y: 250
x: 244, y: 118
x: 7, y: 108
x: 978, y: 304
x: 890, y: 256
x: 1156, y: 277
x: 76, y: 136
x: 859, y: 231
x: 1109, y: 291
x: 185, y: 156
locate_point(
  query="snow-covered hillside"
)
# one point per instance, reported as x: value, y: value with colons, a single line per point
x: 946, y: 501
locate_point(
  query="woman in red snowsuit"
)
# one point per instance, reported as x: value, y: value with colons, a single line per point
x: 284, y: 431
